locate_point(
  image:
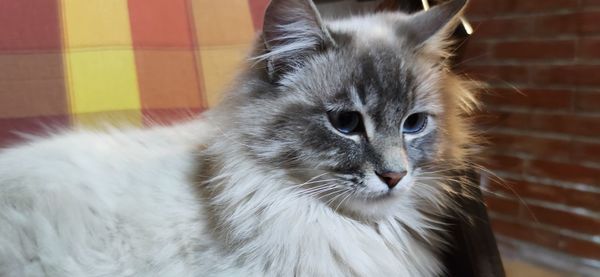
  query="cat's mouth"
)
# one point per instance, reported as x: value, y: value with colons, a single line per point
x: 365, y: 188
x: 377, y: 196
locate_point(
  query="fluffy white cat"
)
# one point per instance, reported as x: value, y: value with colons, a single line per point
x: 326, y: 159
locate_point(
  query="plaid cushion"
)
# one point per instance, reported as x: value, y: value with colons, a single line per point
x: 74, y: 62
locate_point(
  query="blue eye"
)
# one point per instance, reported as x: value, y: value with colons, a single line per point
x: 414, y: 123
x: 348, y: 123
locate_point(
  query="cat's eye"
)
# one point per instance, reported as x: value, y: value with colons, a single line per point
x: 415, y: 123
x: 348, y: 123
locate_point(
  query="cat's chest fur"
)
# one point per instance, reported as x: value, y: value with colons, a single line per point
x: 127, y: 206
x: 312, y: 241
x: 268, y: 229
x: 297, y: 247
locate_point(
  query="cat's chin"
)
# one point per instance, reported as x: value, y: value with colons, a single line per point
x: 378, y: 201
x: 373, y: 206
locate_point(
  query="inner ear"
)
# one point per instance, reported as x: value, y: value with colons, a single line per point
x: 292, y: 31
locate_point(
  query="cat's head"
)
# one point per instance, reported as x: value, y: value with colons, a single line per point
x: 363, y: 111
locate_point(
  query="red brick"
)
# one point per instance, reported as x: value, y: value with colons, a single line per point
x: 554, y: 75
x: 475, y: 51
x: 539, y: 147
x: 548, y: 5
x: 586, y: 3
x: 502, y: 205
x: 566, y: 123
x: 580, y: 248
x: 505, y: 163
x: 588, y: 22
x: 501, y: 74
x: 588, y: 75
x: 589, y: 48
x: 587, y: 101
x: 547, y: 239
x: 581, y: 125
x: 525, y: 233
x: 510, y: 120
x: 586, y: 151
x: 551, y: 25
x: 535, y: 50
x: 482, y: 7
x: 502, y: 28
x: 531, y: 65
x: 554, y: 194
x: 546, y: 26
x: 565, y: 172
x: 561, y: 219
x: 529, y: 98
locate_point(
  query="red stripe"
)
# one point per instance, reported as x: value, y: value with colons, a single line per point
x: 29, y: 25
x: 168, y: 116
x: 12, y: 129
x: 159, y: 23
x: 257, y: 10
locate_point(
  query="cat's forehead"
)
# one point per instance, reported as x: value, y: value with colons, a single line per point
x: 379, y: 79
x: 376, y: 72
x: 373, y: 63
x: 366, y: 30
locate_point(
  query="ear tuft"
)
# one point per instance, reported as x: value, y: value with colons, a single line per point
x: 438, y: 22
x: 292, y: 30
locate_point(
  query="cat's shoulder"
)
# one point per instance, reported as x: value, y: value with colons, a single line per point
x: 90, y: 190
x: 87, y: 154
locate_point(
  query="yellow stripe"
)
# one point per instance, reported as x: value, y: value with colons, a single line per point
x: 99, y: 58
x: 95, y: 23
x: 107, y: 120
x: 219, y: 66
x: 103, y: 81
x: 224, y: 33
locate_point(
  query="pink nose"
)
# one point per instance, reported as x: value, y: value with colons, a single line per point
x: 391, y: 178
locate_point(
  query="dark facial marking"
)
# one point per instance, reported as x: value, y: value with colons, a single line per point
x: 421, y: 149
x: 382, y: 78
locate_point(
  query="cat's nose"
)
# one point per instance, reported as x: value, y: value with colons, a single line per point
x: 391, y: 178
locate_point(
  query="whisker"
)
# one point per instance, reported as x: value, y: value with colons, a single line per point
x: 349, y: 193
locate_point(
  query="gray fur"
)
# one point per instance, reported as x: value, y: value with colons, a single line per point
x: 276, y: 120
x: 281, y: 119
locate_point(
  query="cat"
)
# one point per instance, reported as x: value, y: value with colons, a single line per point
x: 328, y: 157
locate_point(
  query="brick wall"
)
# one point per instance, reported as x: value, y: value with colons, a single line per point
x: 542, y: 62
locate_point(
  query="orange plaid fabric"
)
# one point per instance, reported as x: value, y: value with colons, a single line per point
x: 74, y: 62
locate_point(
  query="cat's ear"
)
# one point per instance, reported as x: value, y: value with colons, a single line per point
x: 438, y: 23
x: 292, y: 30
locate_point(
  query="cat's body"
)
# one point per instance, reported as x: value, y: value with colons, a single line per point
x: 262, y: 185
x: 91, y: 204
x: 122, y: 204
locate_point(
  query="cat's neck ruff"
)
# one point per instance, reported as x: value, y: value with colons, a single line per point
x: 269, y: 228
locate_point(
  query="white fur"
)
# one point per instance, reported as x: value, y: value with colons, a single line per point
x: 91, y: 204
x: 299, y: 235
x: 124, y: 204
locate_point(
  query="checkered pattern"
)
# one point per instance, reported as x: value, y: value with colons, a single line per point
x: 79, y: 62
